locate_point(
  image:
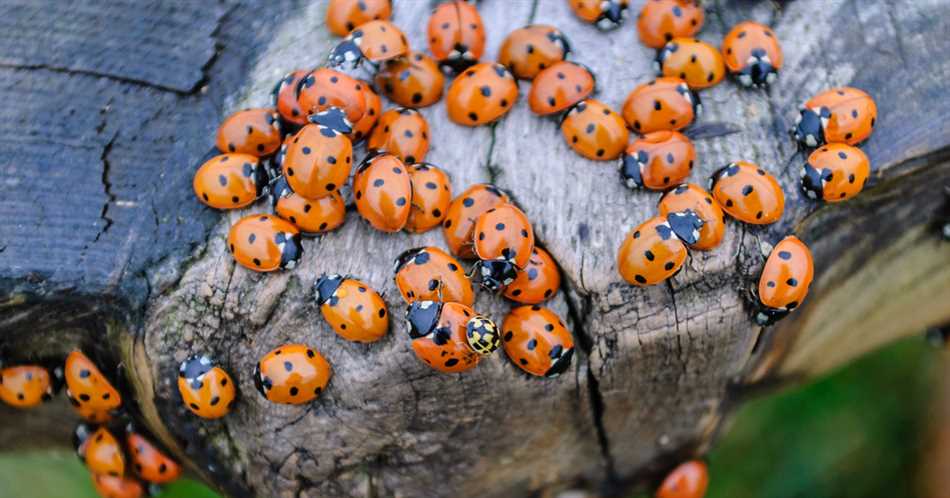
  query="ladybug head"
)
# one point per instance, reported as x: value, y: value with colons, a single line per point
x: 496, y: 274
x: 417, y: 255
x: 767, y: 316
x: 482, y: 335
x: 691, y: 96
x: 194, y: 367
x: 561, y: 40
x: 560, y: 360
x: 80, y: 435
x: 685, y: 225
x: 325, y: 287
x: 422, y: 318
x: 333, y: 118
x: 261, y: 383
x: 460, y: 59
x: 279, y: 189
x: 810, y: 125
x: 612, y: 14
x: 290, y: 249
x: 261, y: 178
x: 813, y: 181
x: 631, y: 166
x: 758, y: 71
x: 347, y: 51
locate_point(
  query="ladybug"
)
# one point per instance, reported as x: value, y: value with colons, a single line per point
x: 150, y: 463
x: 431, y: 274
x: 662, y: 104
x: 605, y: 14
x: 374, y: 41
x: 662, y: 20
x: 352, y: 308
x: 262, y: 242
x: 528, y: 50
x: 688, y: 480
x: 752, y: 54
x: 504, y: 240
x: 559, y: 87
x: 538, y: 282
x: 383, y: 191
x: 402, y: 132
x: 26, y: 386
x: 345, y: 15
x: 206, y: 389
x: 325, y: 88
x: 87, y: 389
x: 836, y: 172
x: 655, y: 250
x: 456, y: 35
x: 284, y: 98
x: 102, y: 453
x: 439, y: 335
x: 464, y: 209
x: 695, y: 198
x: 657, y: 161
x: 748, y: 193
x: 696, y: 62
x: 412, y: 81
x: 595, y: 131
x: 481, y: 95
x: 845, y: 115
x: 431, y: 196
x: 292, y: 374
x: 482, y: 335
x: 230, y: 181
x: 318, y: 159
x: 536, y: 340
x: 252, y: 131
x: 785, y: 279
x: 116, y: 487
x: 364, y: 127
x: 309, y: 216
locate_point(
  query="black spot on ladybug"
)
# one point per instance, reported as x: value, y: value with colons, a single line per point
x: 433, y: 284
x: 382, y: 312
x: 649, y: 255
x: 288, y: 366
x: 194, y: 406
x: 770, y: 284
x: 668, y: 266
x: 378, y: 182
x: 401, y: 201
x: 330, y: 187
x: 468, y: 201
x: 792, y: 282
x: 473, y: 116
x: 785, y: 255
x: 532, y: 273
x: 552, y: 101
x: 758, y: 215
x: 848, y: 136
x: 84, y: 373
x: 636, y: 125
x: 257, y: 262
x: 747, y: 190
x: 640, y: 279
x: 729, y: 203
x: 711, y: 76
x: 290, y: 172
x: 500, y: 226
x: 397, y: 170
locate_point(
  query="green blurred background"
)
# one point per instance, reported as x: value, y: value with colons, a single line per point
x: 861, y: 432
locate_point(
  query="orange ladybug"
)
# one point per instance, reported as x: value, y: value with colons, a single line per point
x: 206, y: 389
x: 230, y: 181
x: 431, y: 196
x: 504, y: 240
x: 657, y: 161
x: 402, y: 132
x: 352, y: 308
x: 538, y: 282
x: 102, y: 453
x: 456, y: 35
x: 412, y: 81
x: 309, y: 216
x: 481, y: 95
x: 662, y: 20
x: 150, y: 463
x: 662, y: 104
x: 318, y: 159
x: 25, y: 386
x: 605, y: 14
x: 325, y: 88
x: 536, y: 340
x: 835, y: 173
x: 284, y: 98
x: 559, y: 87
x: 528, y: 50
x: 695, y: 198
x: 87, y: 389
x: 364, y: 127
x: 292, y: 374
x: 748, y: 193
x: 845, y: 115
x: 251, y: 131
x: 431, y: 274
x: 374, y: 41
x: 463, y: 211
x: 785, y: 279
x: 688, y: 480
x: 345, y: 15
x: 595, y: 131
x: 439, y: 335
x: 696, y: 62
x: 655, y: 250
x: 262, y: 242
x: 752, y: 54
x: 382, y: 189
x: 116, y: 487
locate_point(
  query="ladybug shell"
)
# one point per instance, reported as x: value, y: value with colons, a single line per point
x: 662, y: 104
x: 456, y: 34
x: 697, y: 63
x: 150, y: 463
x: 559, y: 87
x: 383, y: 191
x: 693, y: 197
x: 102, y: 453
x: 536, y: 340
x: 504, y: 233
x: 292, y: 374
x: 752, y: 52
x: 251, y: 131
x: 445, y: 348
x: 651, y: 253
x: 528, y: 50
x: 748, y: 193
x: 787, y: 274
x: 595, y: 131
x: 364, y: 126
x: 835, y: 172
x: 312, y: 216
x: 25, y: 386
x: 431, y: 196
x: 262, y: 242
x: 344, y: 15
x: 662, y: 20
x: 481, y: 95
x: 87, y: 386
x: 463, y: 211
x: 403, y: 133
x: 658, y: 160
x: 412, y: 81
x: 538, y: 282
x: 207, y: 390
x: 381, y: 41
x: 356, y: 312
x: 431, y: 274
x: 116, y: 487
x: 688, y: 480
x: 317, y: 161
x: 230, y: 181
x: 853, y: 114
x: 284, y: 98
x: 606, y: 14
x: 324, y: 88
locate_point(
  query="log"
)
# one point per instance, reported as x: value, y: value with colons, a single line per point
x: 128, y: 266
